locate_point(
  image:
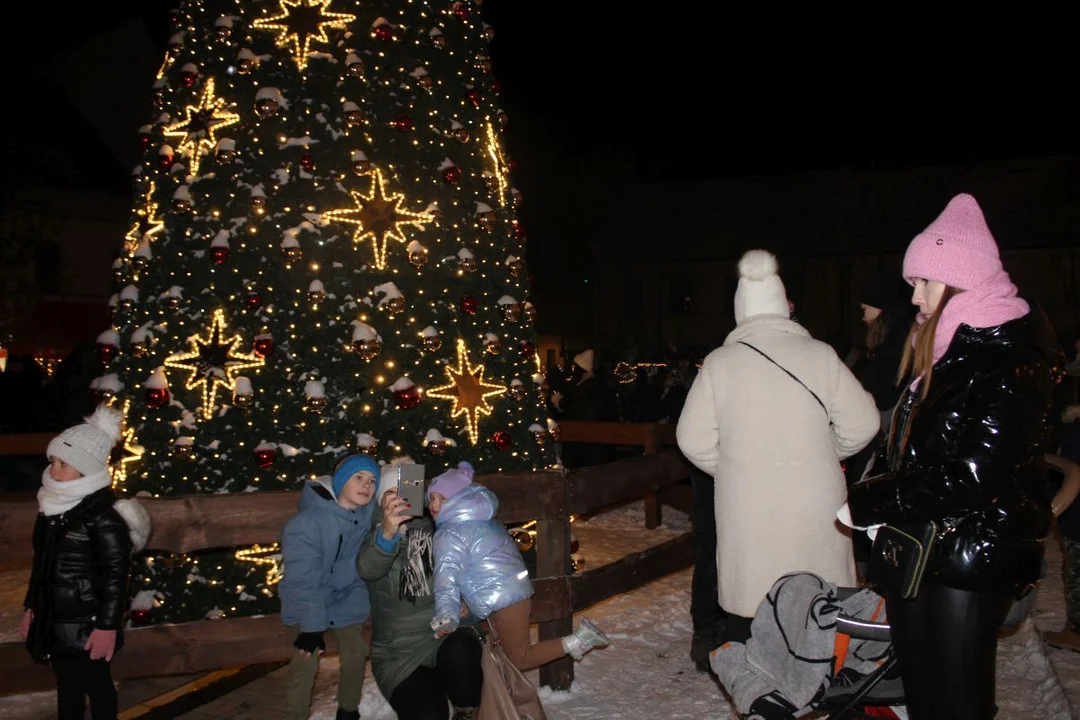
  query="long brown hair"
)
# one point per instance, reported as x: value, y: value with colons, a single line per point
x: 918, y: 359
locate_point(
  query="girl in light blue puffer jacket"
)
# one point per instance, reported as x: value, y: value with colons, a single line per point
x: 478, y: 567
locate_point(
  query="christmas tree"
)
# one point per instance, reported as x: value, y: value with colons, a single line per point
x: 323, y: 258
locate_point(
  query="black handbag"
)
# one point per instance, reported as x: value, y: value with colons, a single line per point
x: 900, y: 555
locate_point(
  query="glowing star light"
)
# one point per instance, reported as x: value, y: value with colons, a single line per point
x: 498, y: 161
x: 213, y: 362
x: 125, y: 452
x: 468, y: 391
x: 300, y: 23
x: 378, y: 217
x: 147, y: 226
x: 196, y: 130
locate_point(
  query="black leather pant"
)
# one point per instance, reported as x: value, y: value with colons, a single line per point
x: 705, y: 611
x: 946, y: 641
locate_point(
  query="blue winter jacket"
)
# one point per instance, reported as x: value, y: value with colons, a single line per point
x: 321, y: 589
x: 476, y: 560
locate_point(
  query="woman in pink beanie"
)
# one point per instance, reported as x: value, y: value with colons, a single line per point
x: 966, y: 451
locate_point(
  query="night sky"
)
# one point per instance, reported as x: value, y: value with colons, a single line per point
x: 676, y: 92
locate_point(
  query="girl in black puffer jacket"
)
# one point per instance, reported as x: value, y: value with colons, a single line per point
x: 966, y: 450
x: 83, y: 540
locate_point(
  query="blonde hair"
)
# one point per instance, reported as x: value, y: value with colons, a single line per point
x: 918, y: 359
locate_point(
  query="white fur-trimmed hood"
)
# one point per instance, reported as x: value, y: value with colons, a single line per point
x: 138, y: 522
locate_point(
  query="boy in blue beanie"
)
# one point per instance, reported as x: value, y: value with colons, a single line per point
x: 321, y: 589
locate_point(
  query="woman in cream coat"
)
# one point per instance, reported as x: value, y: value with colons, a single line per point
x: 772, y: 432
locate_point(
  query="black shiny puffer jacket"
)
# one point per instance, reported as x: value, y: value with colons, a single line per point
x: 80, y: 577
x: 971, y: 457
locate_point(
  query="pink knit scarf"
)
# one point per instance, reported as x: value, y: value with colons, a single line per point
x: 992, y: 303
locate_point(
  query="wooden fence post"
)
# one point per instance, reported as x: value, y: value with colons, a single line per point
x: 653, y: 511
x: 553, y: 560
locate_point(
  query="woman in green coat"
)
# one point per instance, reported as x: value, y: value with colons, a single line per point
x: 417, y: 673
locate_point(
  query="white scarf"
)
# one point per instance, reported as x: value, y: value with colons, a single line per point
x: 56, y: 497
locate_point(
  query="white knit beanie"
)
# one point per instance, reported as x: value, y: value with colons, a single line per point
x: 585, y: 360
x: 87, y: 447
x: 760, y: 291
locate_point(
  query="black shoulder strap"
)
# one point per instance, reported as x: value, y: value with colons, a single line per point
x: 790, y: 374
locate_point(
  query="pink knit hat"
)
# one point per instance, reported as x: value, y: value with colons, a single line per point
x: 956, y: 249
x: 453, y: 481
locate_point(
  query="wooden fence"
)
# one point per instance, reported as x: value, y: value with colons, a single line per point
x: 199, y: 522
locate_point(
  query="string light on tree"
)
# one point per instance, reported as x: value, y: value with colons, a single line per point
x: 468, y: 390
x: 127, y: 451
x: 148, y: 223
x: 213, y: 362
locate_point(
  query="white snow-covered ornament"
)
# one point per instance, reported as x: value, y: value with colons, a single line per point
x: 436, y: 443
x: 108, y: 345
x: 290, y: 248
x: 511, y: 308
x: 166, y: 154
x: 515, y: 265
x: 517, y: 390
x: 540, y: 435
x: 422, y: 78
x: 316, y: 293
x: 219, y: 248
x: 105, y: 388
x: 246, y: 61
x: 406, y: 394
x: 128, y: 297
x: 430, y: 339
x: 268, y: 101
x: 367, y: 444
x: 418, y: 254
x: 354, y: 65
x: 181, y: 200
x: 223, y: 28
x: 459, y: 131
x: 173, y: 297
x: 243, y: 393
x: 530, y: 312
x: 360, y: 163
x: 258, y: 200
x: 466, y: 262
x: 365, y: 341
x: 438, y: 39
x: 354, y: 116
x: 184, y: 447
x: 315, y: 395
x: 492, y: 344
x: 156, y: 389
x: 225, y: 150
x: 485, y: 217
x: 392, y: 301
x: 141, y: 340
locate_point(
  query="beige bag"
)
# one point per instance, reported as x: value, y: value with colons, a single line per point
x: 507, y: 694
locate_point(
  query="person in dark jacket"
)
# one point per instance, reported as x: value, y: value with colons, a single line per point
x: 967, y: 451
x: 321, y: 589
x: 83, y: 539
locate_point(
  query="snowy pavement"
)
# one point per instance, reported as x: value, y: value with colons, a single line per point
x: 648, y: 665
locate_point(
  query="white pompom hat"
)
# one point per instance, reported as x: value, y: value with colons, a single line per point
x: 87, y: 447
x: 760, y: 291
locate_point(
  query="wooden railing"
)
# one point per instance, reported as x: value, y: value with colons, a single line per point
x: 199, y: 522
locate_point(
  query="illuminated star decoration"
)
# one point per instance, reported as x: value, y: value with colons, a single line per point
x: 378, y: 216
x: 196, y: 130
x: 125, y: 452
x: 468, y: 391
x: 498, y: 160
x: 269, y: 555
x: 147, y: 226
x: 213, y: 362
x: 300, y: 23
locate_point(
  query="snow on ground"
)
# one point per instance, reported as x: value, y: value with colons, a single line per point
x: 648, y: 664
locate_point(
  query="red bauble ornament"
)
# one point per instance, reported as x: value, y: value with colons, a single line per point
x: 384, y: 32
x: 188, y: 79
x: 219, y: 255
x: 519, y: 230
x: 452, y: 174
x: 403, y: 123
x: 264, y: 345
x: 306, y: 163
x: 408, y: 398
x: 156, y: 398
x: 474, y: 96
x: 461, y: 10
x: 165, y: 160
x: 527, y: 349
x: 253, y: 301
x: 502, y: 440
x: 469, y: 305
x: 107, y: 352
x: 265, y: 457
x: 139, y: 617
x: 144, y: 141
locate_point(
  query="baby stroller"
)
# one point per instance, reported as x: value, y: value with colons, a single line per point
x: 844, y: 692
